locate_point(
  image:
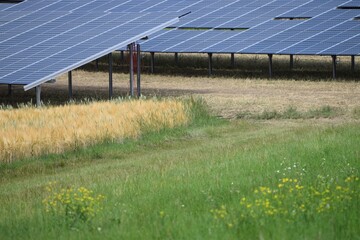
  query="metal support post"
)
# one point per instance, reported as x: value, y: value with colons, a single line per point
x: 353, y: 63
x: 121, y: 56
x: 70, y: 84
x: 38, y: 96
x: 270, y: 65
x: 110, y: 57
x: 210, y: 63
x: 232, y: 60
x: 291, y: 61
x: 131, y: 69
x: 176, y: 58
x: 9, y: 90
x: 334, y: 65
x: 138, y: 70
x: 152, y: 62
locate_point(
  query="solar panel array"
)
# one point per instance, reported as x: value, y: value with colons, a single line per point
x: 311, y: 27
x: 109, y: 6
x: 4, y: 6
x: 41, y: 39
x: 38, y: 44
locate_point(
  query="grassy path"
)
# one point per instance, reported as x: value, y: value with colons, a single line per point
x: 188, y: 184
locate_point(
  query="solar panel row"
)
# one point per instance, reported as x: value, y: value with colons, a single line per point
x: 301, y: 23
x: 38, y: 46
x: 110, y: 5
x: 40, y: 39
x: 4, y: 6
x: 205, y: 14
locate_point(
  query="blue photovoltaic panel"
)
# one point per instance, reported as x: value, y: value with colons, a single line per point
x: 33, y: 52
x: 4, y: 6
x: 233, y: 14
x: 110, y: 5
x: 355, y: 3
x: 270, y: 28
x: 241, y: 14
x: 40, y: 39
x: 314, y: 36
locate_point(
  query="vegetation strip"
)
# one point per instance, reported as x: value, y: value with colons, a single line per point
x: 30, y: 131
x: 213, y: 179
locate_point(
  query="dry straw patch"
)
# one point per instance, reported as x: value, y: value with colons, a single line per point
x: 29, y: 132
x: 229, y: 96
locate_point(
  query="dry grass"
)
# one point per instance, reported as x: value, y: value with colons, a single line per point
x: 229, y: 96
x: 29, y: 132
x: 230, y: 91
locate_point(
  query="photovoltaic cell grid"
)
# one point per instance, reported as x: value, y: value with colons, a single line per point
x: 4, y: 6
x: 259, y: 26
x: 334, y: 32
x: 37, y: 46
x: 263, y: 30
x: 264, y: 34
x: 110, y: 5
x: 255, y: 13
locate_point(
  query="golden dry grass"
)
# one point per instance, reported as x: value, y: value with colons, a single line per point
x: 230, y: 91
x: 31, y: 132
x: 229, y: 96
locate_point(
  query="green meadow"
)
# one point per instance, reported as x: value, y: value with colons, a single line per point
x: 248, y: 178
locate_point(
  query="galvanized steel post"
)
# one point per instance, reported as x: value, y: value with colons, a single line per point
x: 334, y: 65
x: 270, y: 65
x: 152, y: 62
x: 121, y: 56
x: 70, y: 84
x: 131, y: 69
x: 176, y: 58
x: 210, y: 63
x: 138, y: 70
x: 97, y: 64
x: 38, y: 95
x: 232, y: 60
x: 110, y: 76
x: 9, y: 90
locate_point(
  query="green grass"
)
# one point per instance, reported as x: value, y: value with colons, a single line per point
x: 166, y: 184
x: 292, y: 113
x: 356, y: 113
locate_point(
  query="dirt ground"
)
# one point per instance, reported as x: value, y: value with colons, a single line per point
x: 229, y: 92
x: 227, y: 97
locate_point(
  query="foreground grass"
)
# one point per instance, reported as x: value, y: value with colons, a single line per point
x: 176, y: 184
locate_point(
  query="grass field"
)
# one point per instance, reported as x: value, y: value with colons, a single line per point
x: 231, y: 92
x: 284, y: 166
x: 208, y: 180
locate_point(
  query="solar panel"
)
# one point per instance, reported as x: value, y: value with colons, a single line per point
x: 255, y: 14
x: 313, y: 36
x: 270, y: 27
x: 351, y: 4
x: 33, y: 52
x: 41, y: 39
x: 4, y: 6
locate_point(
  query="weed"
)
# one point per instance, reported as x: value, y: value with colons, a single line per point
x: 73, y: 205
x: 323, y: 112
x: 356, y: 113
x: 292, y: 113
